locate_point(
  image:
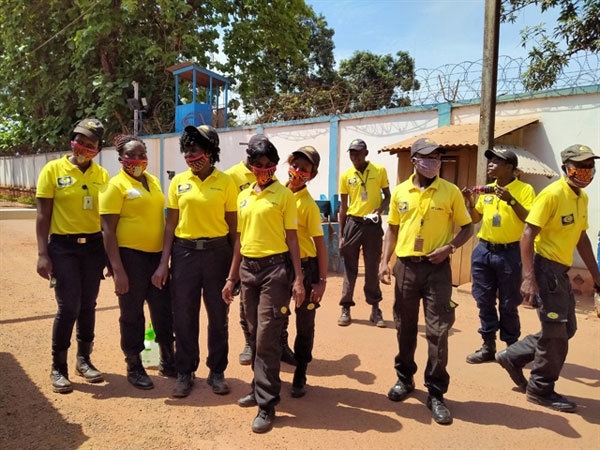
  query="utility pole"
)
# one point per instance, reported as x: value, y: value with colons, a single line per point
x: 136, y: 111
x: 489, y: 78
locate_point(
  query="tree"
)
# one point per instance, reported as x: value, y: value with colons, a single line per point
x: 577, y: 30
x: 376, y: 82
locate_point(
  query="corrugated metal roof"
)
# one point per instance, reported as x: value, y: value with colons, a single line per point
x: 467, y: 135
x: 460, y: 135
x: 529, y: 163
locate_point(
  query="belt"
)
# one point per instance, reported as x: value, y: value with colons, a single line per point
x: 362, y: 220
x: 414, y: 259
x: 257, y: 264
x: 202, y: 243
x: 76, y: 238
x: 499, y: 247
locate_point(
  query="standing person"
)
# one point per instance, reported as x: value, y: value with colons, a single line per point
x: 133, y: 220
x: 555, y: 226
x: 243, y: 178
x: 496, y: 261
x: 361, y: 205
x: 200, y: 230
x: 267, y: 261
x: 70, y: 252
x: 304, y: 166
x: 423, y: 212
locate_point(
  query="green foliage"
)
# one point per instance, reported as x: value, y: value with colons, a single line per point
x: 577, y: 30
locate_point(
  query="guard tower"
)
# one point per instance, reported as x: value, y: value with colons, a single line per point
x: 213, y: 87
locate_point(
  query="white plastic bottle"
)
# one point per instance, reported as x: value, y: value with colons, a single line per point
x: 150, y: 354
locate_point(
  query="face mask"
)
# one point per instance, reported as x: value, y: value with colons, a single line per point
x: 298, y: 178
x: 581, y: 178
x: 134, y: 167
x: 197, y: 163
x: 263, y: 175
x: 82, y: 153
x: 428, y: 167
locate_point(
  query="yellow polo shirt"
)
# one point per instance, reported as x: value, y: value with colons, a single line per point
x: 71, y: 188
x: 356, y: 184
x: 430, y: 214
x: 562, y: 216
x: 202, y: 204
x: 241, y: 175
x: 263, y: 219
x: 141, y: 213
x: 511, y: 227
x: 309, y: 223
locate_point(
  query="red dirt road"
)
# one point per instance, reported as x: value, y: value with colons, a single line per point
x: 345, y: 407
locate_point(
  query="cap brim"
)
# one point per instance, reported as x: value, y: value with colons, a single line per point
x: 428, y: 150
x: 86, y: 132
x: 307, y: 156
x: 582, y: 158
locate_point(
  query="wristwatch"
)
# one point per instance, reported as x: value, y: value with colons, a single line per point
x: 512, y: 202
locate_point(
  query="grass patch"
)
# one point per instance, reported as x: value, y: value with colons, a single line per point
x: 25, y: 200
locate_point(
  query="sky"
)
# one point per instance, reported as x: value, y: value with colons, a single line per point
x: 434, y: 32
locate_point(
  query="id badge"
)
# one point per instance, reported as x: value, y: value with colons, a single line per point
x: 363, y: 195
x: 418, y: 244
x: 496, y: 220
x: 88, y: 202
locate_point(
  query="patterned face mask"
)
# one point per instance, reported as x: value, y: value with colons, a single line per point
x: 263, y: 175
x: 581, y: 177
x: 428, y: 167
x: 134, y: 167
x: 82, y: 153
x: 298, y: 178
x: 197, y: 163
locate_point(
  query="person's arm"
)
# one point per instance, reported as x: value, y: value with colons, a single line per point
x: 161, y: 274
x: 291, y: 239
x: 389, y: 243
x: 342, y: 217
x: 505, y: 195
x: 529, y: 286
x: 584, y: 248
x: 42, y: 231
x: 234, y: 271
x: 318, y: 289
x: 441, y: 253
x: 385, y: 203
x: 111, y: 246
x: 470, y: 202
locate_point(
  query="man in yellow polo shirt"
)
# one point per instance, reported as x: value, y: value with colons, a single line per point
x: 555, y: 226
x: 364, y: 196
x: 423, y: 212
x: 496, y: 261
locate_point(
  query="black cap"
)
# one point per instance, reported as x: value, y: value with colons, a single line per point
x: 357, y: 144
x: 204, y: 134
x: 91, y: 128
x: 424, y: 146
x: 504, y: 154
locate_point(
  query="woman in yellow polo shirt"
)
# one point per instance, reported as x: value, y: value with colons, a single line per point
x: 70, y: 252
x: 132, y: 213
x: 268, y: 251
x: 200, y: 230
x: 304, y: 165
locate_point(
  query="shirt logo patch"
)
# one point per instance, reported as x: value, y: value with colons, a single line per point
x: 185, y: 187
x: 244, y: 203
x: 133, y: 193
x: 567, y: 220
x: 64, y: 181
x: 488, y: 199
x: 352, y: 181
x: 402, y: 206
x: 244, y: 186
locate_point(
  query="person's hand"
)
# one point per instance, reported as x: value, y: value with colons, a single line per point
x: 44, y: 267
x: 384, y: 274
x: 298, y: 291
x: 121, y: 281
x: 227, y: 291
x: 529, y: 290
x: 160, y: 276
x: 503, y: 193
x: 440, y: 254
x: 340, y: 242
x: 468, y: 195
x: 318, y: 289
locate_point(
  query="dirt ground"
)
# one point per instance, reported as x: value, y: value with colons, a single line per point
x: 345, y: 407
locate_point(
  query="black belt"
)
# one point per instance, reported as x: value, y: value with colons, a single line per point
x: 499, y: 247
x: 362, y: 220
x: 414, y: 259
x: 76, y: 238
x: 257, y: 264
x: 202, y: 243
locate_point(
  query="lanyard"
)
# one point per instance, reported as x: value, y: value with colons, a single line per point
x: 363, y: 183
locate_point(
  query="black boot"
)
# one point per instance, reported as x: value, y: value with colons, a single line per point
x: 287, y: 355
x: 84, y: 366
x: 486, y: 353
x: 166, y: 365
x: 299, y: 381
x: 59, y: 374
x: 136, y: 374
